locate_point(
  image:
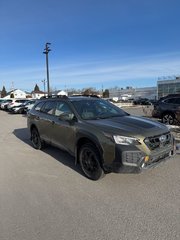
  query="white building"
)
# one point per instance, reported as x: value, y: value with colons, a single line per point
x: 63, y: 93
x: 17, y: 93
x: 38, y: 94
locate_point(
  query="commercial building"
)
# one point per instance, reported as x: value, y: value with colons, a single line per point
x: 165, y: 86
x: 133, y: 93
x: 168, y: 86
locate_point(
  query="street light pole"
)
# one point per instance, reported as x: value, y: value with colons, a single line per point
x: 44, y: 82
x: 46, y: 51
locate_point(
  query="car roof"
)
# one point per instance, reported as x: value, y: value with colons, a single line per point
x: 78, y: 98
x: 70, y: 98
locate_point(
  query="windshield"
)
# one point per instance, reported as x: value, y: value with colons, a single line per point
x: 97, y: 109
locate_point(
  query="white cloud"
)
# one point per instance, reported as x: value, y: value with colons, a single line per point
x: 106, y: 71
x: 97, y: 72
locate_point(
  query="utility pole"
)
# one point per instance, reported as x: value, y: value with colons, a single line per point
x: 46, y: 51
x: 12, y: 93
x: 102, y: 90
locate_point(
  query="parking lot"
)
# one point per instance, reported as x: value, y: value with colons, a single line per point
x: 43, y: 196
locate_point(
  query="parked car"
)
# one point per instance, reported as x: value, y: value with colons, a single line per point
x: 4, y: 104
x: 168, y: 109
x: 24, y: 107
x: 15, y: 102
x: 101, y: 136
x: 17, y: 109
x: 142, y: 101
x: 1, y: 100
x: 29, y: 105
x: 153, y: 101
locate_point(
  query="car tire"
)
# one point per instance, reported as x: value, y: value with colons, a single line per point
x: 168, y: 118
x: 36, y: 140
x: 89, y: 159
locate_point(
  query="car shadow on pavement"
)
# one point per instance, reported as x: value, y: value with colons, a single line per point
x: 63, y: 157
x: 59, y: 155
x: 23, y: 135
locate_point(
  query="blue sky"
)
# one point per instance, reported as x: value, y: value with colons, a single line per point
x: 94, y: 42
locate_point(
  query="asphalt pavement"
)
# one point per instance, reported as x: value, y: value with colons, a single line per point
x: 43, y: 196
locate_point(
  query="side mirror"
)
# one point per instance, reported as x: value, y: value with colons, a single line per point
x: 67, y: 116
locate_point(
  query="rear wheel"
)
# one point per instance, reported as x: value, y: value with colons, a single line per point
x: 89, y: 159
x: 36, y: 140
x: 168, y: 118
x: 20, y: 111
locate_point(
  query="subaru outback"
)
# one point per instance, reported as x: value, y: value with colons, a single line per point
x: 102, y: 137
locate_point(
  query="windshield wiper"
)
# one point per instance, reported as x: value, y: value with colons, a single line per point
x: 108, y: 116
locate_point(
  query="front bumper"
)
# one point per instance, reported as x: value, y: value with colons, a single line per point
x: 134, y: 160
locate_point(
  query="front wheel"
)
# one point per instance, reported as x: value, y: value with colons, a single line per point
x: 168, y: 118
x: 89, y: 159
x: 36, y: 140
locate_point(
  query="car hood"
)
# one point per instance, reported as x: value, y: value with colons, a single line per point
x: 130, y: 125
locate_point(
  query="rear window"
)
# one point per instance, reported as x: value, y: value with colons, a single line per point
x: 177, y: 100
x: 170, y: 100
x: 173, y: 100
x: 49, y: 107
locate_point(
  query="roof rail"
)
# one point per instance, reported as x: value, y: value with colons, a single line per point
x: 55, y: 96
x: 85, y: 95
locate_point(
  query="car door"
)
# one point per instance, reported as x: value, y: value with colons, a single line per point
x: 63, y: 130
x: 46, y: 120
x: 169, y: 104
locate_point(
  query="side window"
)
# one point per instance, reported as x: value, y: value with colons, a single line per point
x: 178, y: 101
x: 39, y: 106
x: 170, y: 100
x: 62, y: 107
x: 49, y: 107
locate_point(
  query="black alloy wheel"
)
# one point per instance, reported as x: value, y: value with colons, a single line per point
x: 89, y: 159
x: 21, y: 111
x: 168, y: 118
x: 36, y: 140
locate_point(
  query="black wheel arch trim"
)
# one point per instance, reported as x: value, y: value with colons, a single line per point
x: 87, y: 137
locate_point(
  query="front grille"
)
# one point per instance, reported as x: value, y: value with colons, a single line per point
x: 158, y: 141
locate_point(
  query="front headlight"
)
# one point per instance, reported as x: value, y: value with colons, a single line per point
x: 126, y: 140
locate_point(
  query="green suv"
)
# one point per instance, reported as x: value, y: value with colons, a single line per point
x: 102, y: 137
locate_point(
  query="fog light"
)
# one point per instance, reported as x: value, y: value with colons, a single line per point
x: 146, y: 158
